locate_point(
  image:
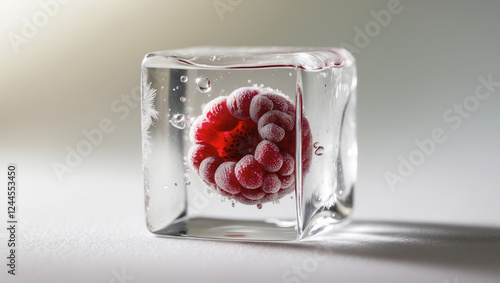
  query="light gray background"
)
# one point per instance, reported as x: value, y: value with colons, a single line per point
x: 89, y: 225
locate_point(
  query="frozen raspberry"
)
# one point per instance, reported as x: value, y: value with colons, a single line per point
x: 279, y: 101
x: 244, y: 200
x: 253, y: 194
x: 226, y: 179
x: 273, y: 124
x: 269, y: 156
x: 208, y: 167
x: 287, y: 181
x: 249, y: 172
x: 238, y: 103
x: 271, y: 183
x: 199, y: 152
x: 272, y: 132
x: 218, y: 114
x: 288, y: 166
x: 245, y: 145
x: 259, y: 106
x: 306, y: 145
x: 202, y: 131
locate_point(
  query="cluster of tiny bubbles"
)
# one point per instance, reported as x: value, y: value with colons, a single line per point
x: 319, y: 149
x: 183, y: 99
x: 179, y: 120
x: 184, y: 79
x: 222, y: 199
x: 276, y: 201
x: 259, y: 205
x: 187, y: 183
x: 203, y: 84
x: 233, y: 203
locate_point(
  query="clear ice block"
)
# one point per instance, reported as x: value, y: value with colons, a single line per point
x: 248, y: 143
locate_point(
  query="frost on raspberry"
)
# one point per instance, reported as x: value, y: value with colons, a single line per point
x: 244, y: 145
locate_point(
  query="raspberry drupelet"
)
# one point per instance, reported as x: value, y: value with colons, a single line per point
x: 244, y: 145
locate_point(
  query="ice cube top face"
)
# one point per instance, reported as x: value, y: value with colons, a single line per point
x: 255, y: 144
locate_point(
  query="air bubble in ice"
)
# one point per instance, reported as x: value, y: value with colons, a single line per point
x: 179, y: 121
x: 249, y: 81
x: 175, y: 184
x: 233, y: 204
x: 290, y: 74
x: 183, y: 99
x: 212, y: 58
x: 259, y: 206
x: 209, y: 191
x: 203, y: 84
x: 184, y: 79
x: 166, y: 187
x: 187, y: 183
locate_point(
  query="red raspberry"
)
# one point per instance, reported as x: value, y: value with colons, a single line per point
x: 208, y: 167
x: 203, y: 131
x: 226, y: 179
x: 217, y: 113
x: 273, y: 124
x: 253, y: 194
x: 249, y: 172
x: 269, y: 156
x: 288, y: 166
x: 238, y: 102
x: 244, y: 145
x: 271, y: 183
x: 287, y: 181
x: 199, y: 152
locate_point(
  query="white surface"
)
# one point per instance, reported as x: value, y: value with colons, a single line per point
x: 93, y: 230
x: 90, y: 225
